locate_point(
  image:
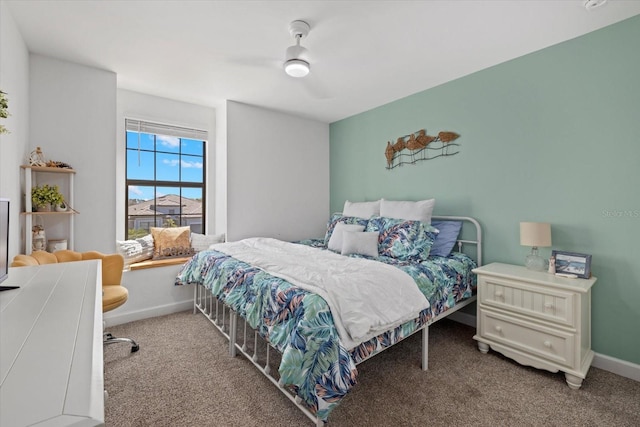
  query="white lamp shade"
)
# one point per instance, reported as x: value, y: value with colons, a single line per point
x: 537, y: 234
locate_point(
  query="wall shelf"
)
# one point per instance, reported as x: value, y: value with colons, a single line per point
x: 57, y: 225
x: 68, y: 212
x: 48, y: 169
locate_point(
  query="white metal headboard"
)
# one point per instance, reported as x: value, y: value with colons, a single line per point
x: 478, y: 240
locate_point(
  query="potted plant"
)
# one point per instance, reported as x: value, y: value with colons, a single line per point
x: 43, y: 196
x: 4, y: 113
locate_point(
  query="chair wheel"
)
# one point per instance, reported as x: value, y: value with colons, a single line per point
x: 135, y: 348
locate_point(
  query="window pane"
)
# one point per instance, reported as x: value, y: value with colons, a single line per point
x: 138, y: 194
x: 140, y: 211
x: 142, y: 169
x: 191, y: 146
x: 192, y: 209
x: 146, y: 141
x: 192, y: 169
x: 168, y: 167
x: 168, y: 206
x: 167, y: 144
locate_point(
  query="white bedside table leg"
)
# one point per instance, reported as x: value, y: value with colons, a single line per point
x: 484, y: 348
x: 573, y: 381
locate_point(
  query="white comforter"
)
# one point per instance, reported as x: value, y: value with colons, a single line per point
x: 366, y: 297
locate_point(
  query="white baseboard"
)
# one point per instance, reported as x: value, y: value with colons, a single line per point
x: 617, y: 366
x: 600, y: 361
x: 464, y: 318
x: 117, y: 319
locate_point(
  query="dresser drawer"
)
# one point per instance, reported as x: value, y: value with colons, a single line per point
x: 546, y: 303
x: 553, y: 345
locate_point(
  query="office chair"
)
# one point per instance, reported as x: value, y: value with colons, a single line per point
x: 113, y: 293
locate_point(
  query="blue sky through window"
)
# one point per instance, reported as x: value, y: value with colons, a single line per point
x: 163, y: 158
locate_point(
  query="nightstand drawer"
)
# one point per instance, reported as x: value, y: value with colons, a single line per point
x: 553, y: 345
x: 544, y: 303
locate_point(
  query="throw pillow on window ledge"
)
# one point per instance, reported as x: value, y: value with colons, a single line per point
x: 171, y: 242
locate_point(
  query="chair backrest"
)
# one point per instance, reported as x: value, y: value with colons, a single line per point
x: 36, y: 258
x: 112, y: 264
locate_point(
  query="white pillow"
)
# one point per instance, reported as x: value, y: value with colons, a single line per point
x: 335, y: 242
x: 365, y: 243
x: 361, y: 209
x: 135, y: 250
x: 413, y: 211
x: 201, y: 242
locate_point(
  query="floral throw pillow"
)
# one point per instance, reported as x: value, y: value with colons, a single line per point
x: 403, y: 239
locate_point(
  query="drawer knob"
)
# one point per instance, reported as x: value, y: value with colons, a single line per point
x: 547, y: 344
x: 498, y: 328
x: 548, y: 305
x: 499, y: 294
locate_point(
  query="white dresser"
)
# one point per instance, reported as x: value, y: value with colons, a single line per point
x: 51, y: 366
x: 536, y: 318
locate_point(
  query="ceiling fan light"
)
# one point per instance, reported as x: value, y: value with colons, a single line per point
x: 297, y: 67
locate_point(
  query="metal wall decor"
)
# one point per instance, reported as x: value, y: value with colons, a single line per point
x: 417, y: 146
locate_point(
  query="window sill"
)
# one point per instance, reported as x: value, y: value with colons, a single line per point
x: 153, y: 263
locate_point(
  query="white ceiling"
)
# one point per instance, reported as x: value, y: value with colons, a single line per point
x: 363, y: 53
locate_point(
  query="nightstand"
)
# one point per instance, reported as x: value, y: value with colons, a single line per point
x: 536, y: 318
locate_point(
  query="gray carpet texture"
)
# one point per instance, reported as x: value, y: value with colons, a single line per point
x: 183, y: 376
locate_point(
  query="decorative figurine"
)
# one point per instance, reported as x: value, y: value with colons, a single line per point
x: 38, y: 238
x: 36, y: 158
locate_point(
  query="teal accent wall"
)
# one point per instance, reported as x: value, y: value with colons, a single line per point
x: 553, y: 136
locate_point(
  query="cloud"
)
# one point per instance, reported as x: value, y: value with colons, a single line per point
x: 171, y: 163
x: 168, y: 141
x: 185, y: 164
x: 134, y: 189
x: 195, y: 165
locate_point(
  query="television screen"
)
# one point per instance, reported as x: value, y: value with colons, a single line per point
x: 4, y: 239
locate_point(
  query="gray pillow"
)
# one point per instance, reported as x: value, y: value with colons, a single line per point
x: 201, y: 242
x: 364, y: 243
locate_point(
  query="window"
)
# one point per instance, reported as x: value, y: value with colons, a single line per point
x: 165, y: 168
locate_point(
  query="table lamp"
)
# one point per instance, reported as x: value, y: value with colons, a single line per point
x: 535, y: 234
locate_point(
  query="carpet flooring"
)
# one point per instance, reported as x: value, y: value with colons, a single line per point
x: 183, y: 376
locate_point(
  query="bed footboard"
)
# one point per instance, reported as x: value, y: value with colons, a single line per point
x: 246, y: 341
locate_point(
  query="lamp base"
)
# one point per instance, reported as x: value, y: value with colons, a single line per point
x: 536, y: 263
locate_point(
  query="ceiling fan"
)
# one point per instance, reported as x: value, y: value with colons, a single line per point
x: 297, y: 62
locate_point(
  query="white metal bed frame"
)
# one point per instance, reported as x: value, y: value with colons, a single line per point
x: 216, y: 312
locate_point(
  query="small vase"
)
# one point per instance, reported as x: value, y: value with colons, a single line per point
x: 61, y: 207
x: 43, y: 208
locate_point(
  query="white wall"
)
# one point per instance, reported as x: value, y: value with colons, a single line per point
x: 221, y: 168
x: 140, y: 106
x: 151, y: 293
x: 14, y: 80
x: 73, y: 118
x: 277, y: 174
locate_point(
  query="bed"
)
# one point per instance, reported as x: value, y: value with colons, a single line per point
x: 318, y: 337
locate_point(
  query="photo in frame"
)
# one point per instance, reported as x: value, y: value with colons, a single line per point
x: 572, y: 263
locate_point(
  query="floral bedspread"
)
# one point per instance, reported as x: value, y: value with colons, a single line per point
x: 300, y: 325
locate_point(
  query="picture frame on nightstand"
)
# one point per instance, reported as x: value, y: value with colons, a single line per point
x: 572, y: 263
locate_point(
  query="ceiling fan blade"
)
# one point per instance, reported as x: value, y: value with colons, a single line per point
x: 316, y: 88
